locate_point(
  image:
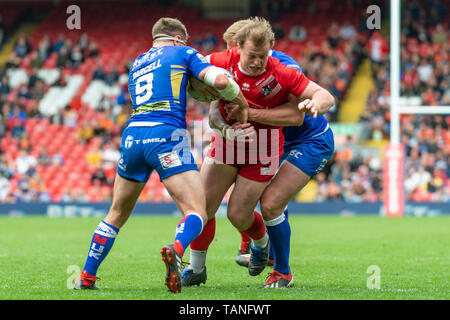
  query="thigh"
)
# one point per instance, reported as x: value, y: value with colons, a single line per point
x: 186, y: 190
x: 217, y: 178
x: 125, y: 194
x: 243, y: 200
x: 287, y: 182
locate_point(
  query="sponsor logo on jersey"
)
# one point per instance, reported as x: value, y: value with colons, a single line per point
x: 295, y: 153
x: 128, y: 142
x: 122, y: 164
x: 322, y: 165
x: 246, y: 87
x: 265, y: 171
x: 169, y: 159
x: 153, y: 140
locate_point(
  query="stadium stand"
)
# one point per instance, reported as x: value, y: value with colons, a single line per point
x: 64, y: 98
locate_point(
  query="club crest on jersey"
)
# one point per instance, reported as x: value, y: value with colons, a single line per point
x: 268, y: 87
x: 266, y: 90
x: 169, y: 159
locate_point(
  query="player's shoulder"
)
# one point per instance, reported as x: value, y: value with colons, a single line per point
x: 185, y: 50
x: 225, y: 58
x: 275, y: 66
x: 285, y: 59
x: 226, y: 54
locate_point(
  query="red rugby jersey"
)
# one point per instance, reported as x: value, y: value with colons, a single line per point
x: 268, y: 90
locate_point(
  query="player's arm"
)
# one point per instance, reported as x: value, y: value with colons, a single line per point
x: 286, y: 114
x: 228, y: 89
x: 315, y: 100
x: 236, y: 131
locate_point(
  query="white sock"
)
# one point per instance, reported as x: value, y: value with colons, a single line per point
x: 197, y: 260
x: 261, y: 243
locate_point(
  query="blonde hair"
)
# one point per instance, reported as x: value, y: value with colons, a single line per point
x: 232, y: 30
x: 169, y: 27
x: 258, y: 31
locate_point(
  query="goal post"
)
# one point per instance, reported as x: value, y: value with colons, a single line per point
x: 394, y: 169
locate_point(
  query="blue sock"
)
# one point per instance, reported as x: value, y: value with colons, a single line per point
x: 101, y: 243
x: 188, y: 229
x: 286, y: 212
x: 279, y: 231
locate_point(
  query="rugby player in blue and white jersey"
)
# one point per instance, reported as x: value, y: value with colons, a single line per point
x: 307, y: 149
x: 156, y: 139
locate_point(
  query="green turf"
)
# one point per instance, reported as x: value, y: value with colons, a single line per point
x: 329, y: 259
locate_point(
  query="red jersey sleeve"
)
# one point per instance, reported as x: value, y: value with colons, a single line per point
x: 294, y: 80
x: 221, y: 59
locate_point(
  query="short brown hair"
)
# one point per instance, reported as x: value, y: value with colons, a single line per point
x: 258, y: 30
x: 232, y: 30
x: 171, y: 27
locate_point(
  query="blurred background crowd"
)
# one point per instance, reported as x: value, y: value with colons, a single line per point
x: 64, y: 97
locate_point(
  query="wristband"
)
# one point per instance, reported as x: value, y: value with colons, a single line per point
x: 232, y: 89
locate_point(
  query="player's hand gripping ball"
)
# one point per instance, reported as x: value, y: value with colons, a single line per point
x: 200, y: 91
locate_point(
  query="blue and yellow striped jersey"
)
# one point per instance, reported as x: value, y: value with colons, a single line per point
x: 158, y: 80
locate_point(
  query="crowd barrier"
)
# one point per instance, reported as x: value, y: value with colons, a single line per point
x: 62, y: 209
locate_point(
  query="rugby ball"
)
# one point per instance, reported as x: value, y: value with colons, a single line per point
x: 200, y: 91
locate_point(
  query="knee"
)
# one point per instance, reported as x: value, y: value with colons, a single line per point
x: 240, y: 222
x: 270, y: 209
x: 210, y: 212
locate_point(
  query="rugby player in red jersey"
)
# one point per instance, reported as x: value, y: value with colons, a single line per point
x: 265, y: 83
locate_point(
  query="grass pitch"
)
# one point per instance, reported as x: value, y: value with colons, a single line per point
x: 40, y: 258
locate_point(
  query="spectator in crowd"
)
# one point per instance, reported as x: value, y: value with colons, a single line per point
x: 44, y: 48
x: 76, y: 57
x: 439, y: 36
x: 70, y: 117
x: 25, y: 163
x: 209, y: 41
x: 63, y: 58
x: 347, y: 31
x: 333, y: 36
x: 99, y: 176
x: 92, y: 50
x: 38, y: 90
x: 59, y: 43
x: 83, y: 43
x: 22, y: 47
x: 85, y: 132
x: 5, y: 89
x: 278, y: 31
x: 99, y: 72
x: 43, y: 158
x: 298, y: 33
